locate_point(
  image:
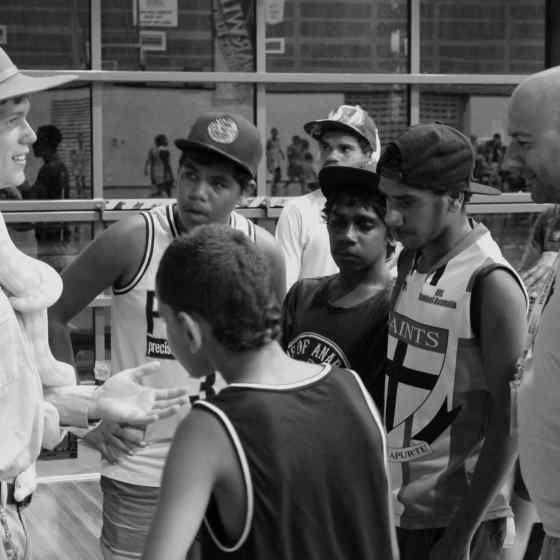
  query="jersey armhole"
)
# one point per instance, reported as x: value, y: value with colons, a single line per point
x: 146, y: 257
x: 476, y: 297
x: 216, y: 530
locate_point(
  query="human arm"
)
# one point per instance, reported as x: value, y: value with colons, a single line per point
x: 111, y: 258
x: 271, y: 249
x: 122, y: 399
x: 503, y: 327
x: 288, y: 315
x: 201, y: 455
x: 289, y: 232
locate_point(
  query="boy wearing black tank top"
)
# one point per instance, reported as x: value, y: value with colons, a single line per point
x: 288, y: 461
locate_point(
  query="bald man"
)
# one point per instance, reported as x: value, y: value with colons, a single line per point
x: 534, y: 127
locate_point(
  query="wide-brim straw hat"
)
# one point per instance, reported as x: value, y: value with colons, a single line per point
x: 15, y: 84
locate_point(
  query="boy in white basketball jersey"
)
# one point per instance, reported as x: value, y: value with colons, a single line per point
x: 456, y: 329
x: 219, y: 161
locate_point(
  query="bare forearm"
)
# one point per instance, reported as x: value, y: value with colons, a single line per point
x: 59, y: 340
x: 495, y: 462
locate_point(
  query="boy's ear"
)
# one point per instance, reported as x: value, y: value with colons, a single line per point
x: 192, y: 330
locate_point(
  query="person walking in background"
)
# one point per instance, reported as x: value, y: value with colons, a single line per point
x: 158, y: 167
x: 274, y: 159
x: 52, y: 183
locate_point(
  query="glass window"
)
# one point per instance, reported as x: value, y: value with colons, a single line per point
x: 60, y: 164
x: 336, y: 36
x: 481, y: 113
x: 51, y: 34
x: 513, y: 233
x: 500, y: 36
x: 199, y: 36
x: 288, y: 108
x: 134, y: 115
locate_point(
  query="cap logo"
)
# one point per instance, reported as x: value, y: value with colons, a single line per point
x: 223, y: 130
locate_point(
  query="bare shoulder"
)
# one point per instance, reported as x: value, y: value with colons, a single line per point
x: 502, y: 294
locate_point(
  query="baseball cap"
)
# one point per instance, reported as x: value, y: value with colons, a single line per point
x: 434, y: 157
x: 333, y: 177
x: 227, y: 134
x: 349, y: 118
x: 14, y: 84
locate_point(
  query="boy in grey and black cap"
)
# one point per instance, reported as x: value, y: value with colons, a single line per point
x: 348, y: 136
x: 447, y: 401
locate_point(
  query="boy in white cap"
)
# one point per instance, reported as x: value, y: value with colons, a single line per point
x: 220, y: 155
x: 30, y: 419
x: 348, y: 136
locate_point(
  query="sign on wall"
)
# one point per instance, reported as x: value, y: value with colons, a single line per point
x: 155, y: 13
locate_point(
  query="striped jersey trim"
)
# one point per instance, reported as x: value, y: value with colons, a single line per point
x: 146, y: 258
x: 379, y: 423
x: 287, y: 386
x: 239, y: 222
x: 173, y: 224
x: 242, y: 458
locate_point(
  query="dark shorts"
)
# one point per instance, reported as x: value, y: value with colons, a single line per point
x: 487, y: 543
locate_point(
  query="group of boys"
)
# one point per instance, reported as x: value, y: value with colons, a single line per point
x: 283, y: 458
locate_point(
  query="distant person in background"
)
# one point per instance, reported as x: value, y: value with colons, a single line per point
x: 274, y: 158
x: 52, y: 183
x: 295, y: 158
x: 158, y: 167
x: 78, y: 164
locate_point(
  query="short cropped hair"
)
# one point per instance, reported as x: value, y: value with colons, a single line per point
x: 208, y: 157
x: 218, y: 273
x: 365, y: 198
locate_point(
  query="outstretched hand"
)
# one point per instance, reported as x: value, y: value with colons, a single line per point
x: 124, y: 399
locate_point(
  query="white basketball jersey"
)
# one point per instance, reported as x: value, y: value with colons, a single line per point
x: 138, y: 335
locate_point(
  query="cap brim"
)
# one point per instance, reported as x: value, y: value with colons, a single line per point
x: 20, y: 84
x: 474, y: 188
x: 184, y: 145
x: 479, y: 188
x: 328, y: 124
x: 332, y: 177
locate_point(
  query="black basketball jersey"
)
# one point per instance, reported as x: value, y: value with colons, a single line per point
x: 313, y: 457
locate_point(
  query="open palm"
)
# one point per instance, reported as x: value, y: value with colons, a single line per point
x: 124, y: 399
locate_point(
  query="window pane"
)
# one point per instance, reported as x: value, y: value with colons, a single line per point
x: 50, y: 34
x: 59, y: 166
x: 133, y: 116
x: 512, y: 232
x: 336, y: 36
x: 481, y: 113
x: 200, y: 36
x: 498, y: 36
x: 290, y: 107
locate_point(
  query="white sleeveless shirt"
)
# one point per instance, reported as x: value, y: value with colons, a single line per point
x: 138, y: 335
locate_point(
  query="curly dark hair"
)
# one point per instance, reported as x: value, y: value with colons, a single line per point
x: 218, y: 273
